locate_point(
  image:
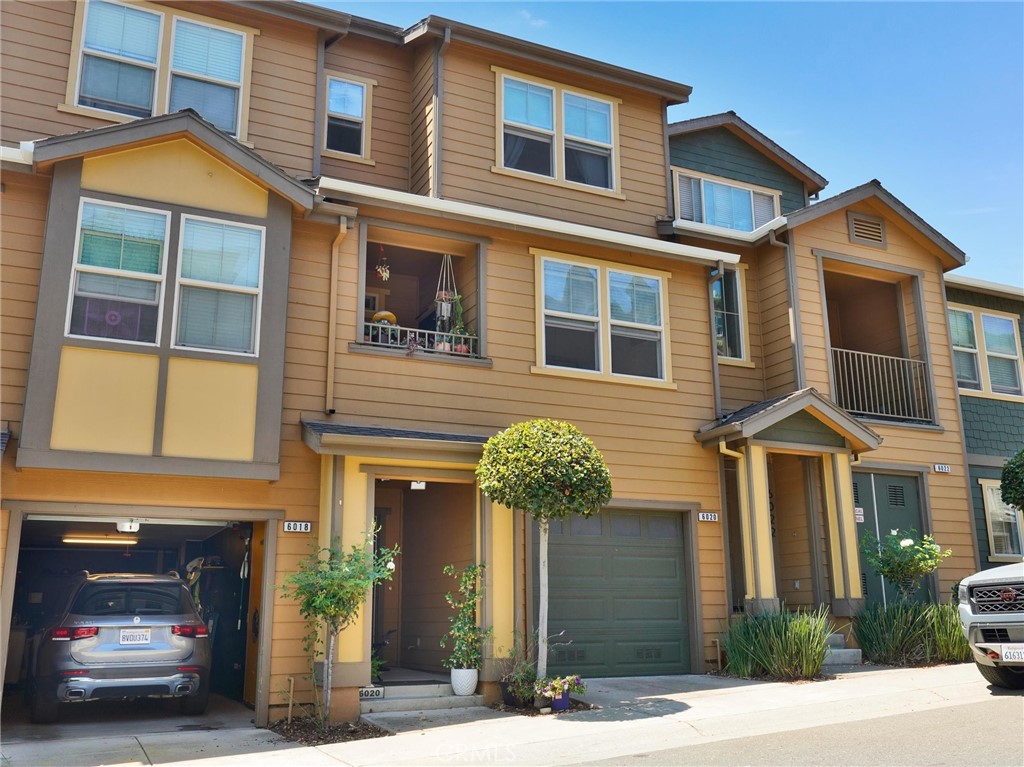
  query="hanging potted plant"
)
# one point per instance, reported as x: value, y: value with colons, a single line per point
x: 465, y: 636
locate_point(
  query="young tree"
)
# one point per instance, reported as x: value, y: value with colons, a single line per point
x: 550, y: 470
x: 330, y: 587
x: 1012, y: 481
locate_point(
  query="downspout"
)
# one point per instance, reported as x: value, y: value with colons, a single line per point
x: 713, y: 275
x: 319, y: 100
x: 797, y: 337
x: 437, y: 100
x: 332, y: 317
x: 727, y: 451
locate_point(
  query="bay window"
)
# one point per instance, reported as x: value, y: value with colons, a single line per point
x: 724, y: 204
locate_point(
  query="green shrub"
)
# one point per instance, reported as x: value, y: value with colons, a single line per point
x: 782, y: 645
x: 911, y: 634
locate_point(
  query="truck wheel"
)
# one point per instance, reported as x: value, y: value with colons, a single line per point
x: 1002, y: 677
x: 45, y: 706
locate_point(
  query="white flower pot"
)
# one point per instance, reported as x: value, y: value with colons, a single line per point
x: 464, y: 680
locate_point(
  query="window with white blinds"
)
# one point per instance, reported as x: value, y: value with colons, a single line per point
x: 986, y: 351
x: 1003, y: 522
x: 220, y: 272
x: 726, y: 205
x: 139, y: 62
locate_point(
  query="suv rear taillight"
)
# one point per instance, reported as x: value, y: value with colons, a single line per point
x: 65, y: 633
x: 190, y: 631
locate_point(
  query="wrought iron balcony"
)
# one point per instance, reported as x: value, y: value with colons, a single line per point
x: 386, y: 335
x: 878, y: 386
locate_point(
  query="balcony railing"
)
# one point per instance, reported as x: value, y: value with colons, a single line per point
x: 382, y: 334
x: 877, y: 386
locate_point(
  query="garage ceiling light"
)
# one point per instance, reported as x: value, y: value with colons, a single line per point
x: 113, y: 540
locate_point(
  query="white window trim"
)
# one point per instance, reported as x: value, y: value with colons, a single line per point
x: 740, y: 271
x: 181, y: 282
x: 700, y: 227
x: 365, y: 155
x: 557, y: 133
x: 603, y: 320
x: 976, y: 313
x: 992, y: 556
x: 77, y: 268
x: 162, y: 84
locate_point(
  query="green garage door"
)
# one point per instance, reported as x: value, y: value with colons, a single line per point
x: 618, y: 588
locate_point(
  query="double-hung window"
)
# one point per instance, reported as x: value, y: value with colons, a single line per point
x: 220, y: 270
x: 1003, y: 522
x: 986, y: 351
x: 138, y: 62
x: 727, y: 300
x: 551, y: 131
x: 720, y: 203
x: 599, y: 318
x: 348, y: 116
x: 118, y: 274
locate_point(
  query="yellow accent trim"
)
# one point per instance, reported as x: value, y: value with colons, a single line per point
x: 161, y: 96
x: 557, y: 133
x: 500, y: 567
x: 834, y: 544
x: 105, y: 402
x: 761, y: 521
x: 210, y: 409
x: 735, y: 363
x: 176, y: 172
x: 746, y: 531
x: 845, y: 508
x: 356, y: 519
x: 367, y: 121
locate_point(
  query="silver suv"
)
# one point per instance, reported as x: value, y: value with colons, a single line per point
x: 992, y: 614
x: 122, y: 636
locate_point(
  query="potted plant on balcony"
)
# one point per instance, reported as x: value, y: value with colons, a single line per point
x: 465, y: 636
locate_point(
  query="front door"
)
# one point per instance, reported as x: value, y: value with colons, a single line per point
x: 883, y: 503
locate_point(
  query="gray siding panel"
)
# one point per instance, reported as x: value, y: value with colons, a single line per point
x: 720, y: 153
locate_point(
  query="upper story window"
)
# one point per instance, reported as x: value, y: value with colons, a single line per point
x: 117, y: 281
x: 348, y: 115
x: 722, y: 203
x: 729, y: 305
x: 600, y: 318
x: 1003, y: 523
x: 117, y: 285
x: 138, y: 62
x: 986, y: 351
x: 551, y: 131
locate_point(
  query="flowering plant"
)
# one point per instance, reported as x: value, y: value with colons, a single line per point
x: 554, y: 687
x: 903, y: 558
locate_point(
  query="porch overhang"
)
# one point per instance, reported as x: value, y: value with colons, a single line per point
x: 749, y: 421
x: 333, y: 438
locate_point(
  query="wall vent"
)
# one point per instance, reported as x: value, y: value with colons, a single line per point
x: 866, y: 230
x: 896, y: 496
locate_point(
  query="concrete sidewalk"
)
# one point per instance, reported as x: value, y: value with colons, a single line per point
x: 649, y: 714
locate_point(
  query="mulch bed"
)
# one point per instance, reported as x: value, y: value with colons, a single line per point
x: 307, y: 732
x: 574, y: 705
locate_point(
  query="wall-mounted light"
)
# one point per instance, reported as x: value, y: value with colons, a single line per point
x: 128, y: 526
x: 111, y: 540
x: 417, y: 485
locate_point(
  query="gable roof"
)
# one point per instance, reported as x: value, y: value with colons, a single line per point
x: 873, y: 188
x: 737, y: 125
x: 753, y: 419
x: 974, y: 285
x: 188, y: 123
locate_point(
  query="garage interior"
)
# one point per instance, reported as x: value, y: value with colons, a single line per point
x: 54, y: 550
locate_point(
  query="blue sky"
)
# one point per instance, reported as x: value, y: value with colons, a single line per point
x: 927, y: 97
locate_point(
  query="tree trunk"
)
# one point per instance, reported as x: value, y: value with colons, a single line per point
x: 542, y: 618
x: 328, y: 671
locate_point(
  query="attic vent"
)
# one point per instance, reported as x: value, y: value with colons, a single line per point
x: 895, y: 494
x: 866, y: 230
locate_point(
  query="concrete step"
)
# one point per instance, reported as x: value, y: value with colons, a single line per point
x: 393, y: 703
x: 837, y: 640
x: 842, y: 657
x: 431, y: 690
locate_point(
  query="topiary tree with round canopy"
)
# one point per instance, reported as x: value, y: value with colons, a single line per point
x: 1011, y: 482
x: 550, y: 470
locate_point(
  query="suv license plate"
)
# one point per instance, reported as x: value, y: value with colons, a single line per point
x: 135, y: 636
x: 1012, y: 652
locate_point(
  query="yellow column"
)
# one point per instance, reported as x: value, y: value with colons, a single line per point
x: 848, y: 525
x: 765, y: 592
x: 746, y: 531
x: 501, y: 586
x: 356, y: 519
x: 837, y: 569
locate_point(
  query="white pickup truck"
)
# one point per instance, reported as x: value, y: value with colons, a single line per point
x: 992, y: 614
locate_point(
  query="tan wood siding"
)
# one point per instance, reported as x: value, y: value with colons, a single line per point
x: 391, y: 69
x: 947, y: 502
x: 469, y: 151
x: 421, y: 149
x: 775, y: 332
x: 743, y: 385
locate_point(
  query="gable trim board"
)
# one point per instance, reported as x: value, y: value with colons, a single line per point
x: 506, y: 219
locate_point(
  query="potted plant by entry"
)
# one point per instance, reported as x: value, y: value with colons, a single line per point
x: 465, y: 636
x: 558, y: 689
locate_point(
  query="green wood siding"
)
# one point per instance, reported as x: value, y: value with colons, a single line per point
x: 802, y: 428
x: 992, y: 426
x: 718, y: 152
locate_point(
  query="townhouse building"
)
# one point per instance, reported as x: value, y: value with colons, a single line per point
x: 273, y: 274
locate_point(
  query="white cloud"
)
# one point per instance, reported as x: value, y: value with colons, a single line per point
x: 531, y: 20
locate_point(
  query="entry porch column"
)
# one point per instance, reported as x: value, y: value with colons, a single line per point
x: 761, y: 592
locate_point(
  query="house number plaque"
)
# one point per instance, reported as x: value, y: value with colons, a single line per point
x: 707, y: 516
x: 296, y: 527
